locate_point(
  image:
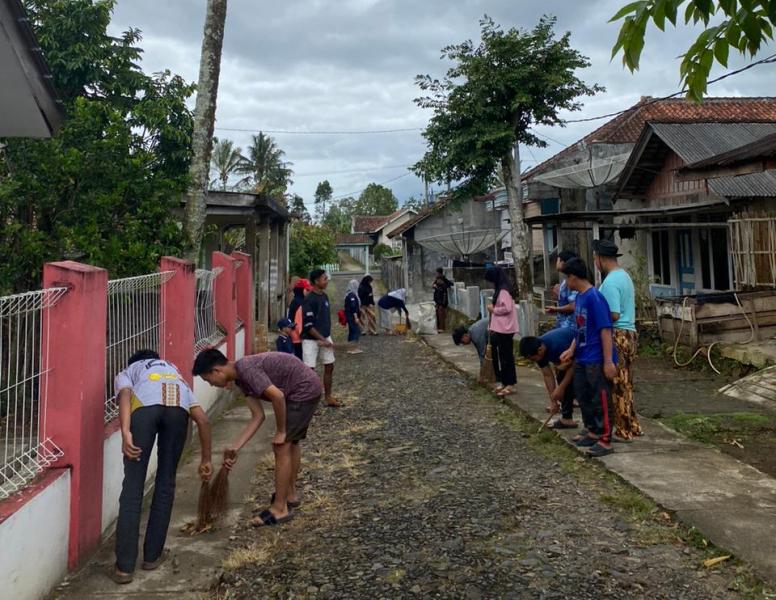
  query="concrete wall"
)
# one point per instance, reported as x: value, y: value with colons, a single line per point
x: 35, y: 541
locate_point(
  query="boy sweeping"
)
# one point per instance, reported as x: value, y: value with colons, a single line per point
x: 294, y: 392
x: 155, y: 404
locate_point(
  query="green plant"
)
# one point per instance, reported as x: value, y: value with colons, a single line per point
x: 382, y: 250
x: 309, y: 247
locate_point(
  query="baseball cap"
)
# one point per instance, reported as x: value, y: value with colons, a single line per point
x: 283, y: 323
x: 303, y: 284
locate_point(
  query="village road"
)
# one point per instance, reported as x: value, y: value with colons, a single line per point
x: 425, y: 486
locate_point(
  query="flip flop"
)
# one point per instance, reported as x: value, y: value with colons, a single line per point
x: 587, y: 442
x: 597, y: 451
x: 268, y: 519
x: 296, y: 504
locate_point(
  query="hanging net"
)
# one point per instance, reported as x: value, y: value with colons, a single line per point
x: 592, y: 173
x: 463, y: 243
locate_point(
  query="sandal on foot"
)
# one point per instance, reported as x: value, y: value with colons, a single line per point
x: 155, y: 564
x: 559, y: 424
x: 587, y: 442
x: 120, y: 578
x: 290, y: 504
x: 266, y: 519
x: 597, y: 451
x: 333, y: 404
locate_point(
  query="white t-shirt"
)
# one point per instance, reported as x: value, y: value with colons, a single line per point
x: 155, y: 382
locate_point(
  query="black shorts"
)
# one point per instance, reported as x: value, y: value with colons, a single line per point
x: 298, y: 417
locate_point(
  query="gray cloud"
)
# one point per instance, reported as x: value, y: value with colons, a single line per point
x: 312, y: 65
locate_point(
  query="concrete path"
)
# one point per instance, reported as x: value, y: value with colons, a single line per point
x: 731, y: 503
x: 195, y: 562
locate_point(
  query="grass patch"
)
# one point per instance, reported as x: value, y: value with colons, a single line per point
x: 241, y: 557
x: 633, y: 503
x: 707, y: 428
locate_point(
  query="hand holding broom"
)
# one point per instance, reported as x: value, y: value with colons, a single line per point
x: 219, y: 491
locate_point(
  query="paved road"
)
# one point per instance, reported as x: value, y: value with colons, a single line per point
x: 424, y: 487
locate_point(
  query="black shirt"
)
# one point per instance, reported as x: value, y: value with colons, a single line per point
x: 441, y: 285
x: 366, y: 295
x: 316, y: 313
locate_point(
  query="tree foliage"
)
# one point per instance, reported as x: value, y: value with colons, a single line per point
x: 298, y: 209
x: 323, y: 196
x: 338, y: 219
x: 382, y: 250
x: 265, y: 167
x: 375, y: 200
x: 106, y: 187
x: 310, y: 246
x: 745, y: 27
x: 225, y: 162
x: 490, y: 99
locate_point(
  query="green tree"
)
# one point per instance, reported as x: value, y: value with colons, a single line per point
x: 323, y: 195
x: 225, y: 162
x: 745, y: 27
x: 265, y: 166
x: 106, y: 187
x: 486, y: 105
x: 415, y: 203
x: 298, y: 209
x: 376, y: 200
x: 310, y: 246
x: 337, y: 219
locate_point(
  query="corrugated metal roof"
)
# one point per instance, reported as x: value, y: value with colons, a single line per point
x: 694, y: 142
x: 754, y: 185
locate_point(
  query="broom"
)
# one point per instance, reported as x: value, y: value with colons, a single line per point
x: 204, y: 512
x: 219, y: 491
x: 487, y: 372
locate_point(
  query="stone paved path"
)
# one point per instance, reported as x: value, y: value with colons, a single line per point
x: 426, y: 487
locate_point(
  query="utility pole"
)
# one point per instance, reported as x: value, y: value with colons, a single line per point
x: 425, y: 191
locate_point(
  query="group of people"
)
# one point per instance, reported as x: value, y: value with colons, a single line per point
x: 587, y: 359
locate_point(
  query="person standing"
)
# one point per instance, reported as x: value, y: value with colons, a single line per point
x: 503, y: 327
x: 367, y: 299
x: 594, y: 360
x: 353, y: 315
x: 617, y: 288
x: 564, y: 311
x: 395, y: 300
x: 155, y: 404
x: 294, y: 393
x: 283, y: 342
x: 560, y: 387
x: 301, y: 288
x: 316, y: 332
x: 441, y: 286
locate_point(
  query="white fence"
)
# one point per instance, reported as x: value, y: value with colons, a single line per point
x: 206, y: 330
x: 24, y: 332
x: 134, y: 323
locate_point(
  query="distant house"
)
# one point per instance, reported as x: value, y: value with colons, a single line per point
x: 29, y: 106
x: 357, y: 245
x: 379, y: 227
x: 579, y: 194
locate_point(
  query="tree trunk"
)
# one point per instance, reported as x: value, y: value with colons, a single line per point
x: 510, y: 168
x: 204, y: 121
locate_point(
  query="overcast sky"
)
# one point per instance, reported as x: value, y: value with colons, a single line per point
x: 315, y: 65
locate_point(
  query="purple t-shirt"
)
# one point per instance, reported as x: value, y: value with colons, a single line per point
x: 298, y: 382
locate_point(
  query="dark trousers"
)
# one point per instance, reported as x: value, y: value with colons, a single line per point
x: 169, y: 427
x: 504, y: 357
x: 595, y: 400
x: 298, y: 351
x: 567, y: 402
x: 354, y: 331
x: 441, y: 317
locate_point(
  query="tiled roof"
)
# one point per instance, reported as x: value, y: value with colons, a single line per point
x: 627, y: 127
x: 421, y: 216
x: 370, y: 224
x: 353, y: 239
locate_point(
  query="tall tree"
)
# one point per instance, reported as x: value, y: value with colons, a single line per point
x: 486, y: 105
x: 743, y: 26
x: 298, y: 209
x: 323, y: 195
x: 376, y: 200
x: 264, y: 164
x: 337, y: 219
x: 225, y: 162
x: 204, y: 122
x: 310, y: 246
x: 105, y: 188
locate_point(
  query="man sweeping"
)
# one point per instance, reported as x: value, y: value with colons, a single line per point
x: 155, y: 404
x: 294, y: 392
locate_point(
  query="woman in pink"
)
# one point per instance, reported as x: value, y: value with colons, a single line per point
x: 503, y: 327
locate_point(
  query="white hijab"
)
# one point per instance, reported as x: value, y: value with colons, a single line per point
x: 401, y: 294
x: 353, y: 289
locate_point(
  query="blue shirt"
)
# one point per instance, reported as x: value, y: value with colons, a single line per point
x: 618, y: 290
x: 284, y: 344
x: 390, y: 303
x: 592, y: 315
x: 565, y: 297
x: 557, y: 342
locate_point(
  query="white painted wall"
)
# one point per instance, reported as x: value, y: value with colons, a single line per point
x: 35, y: 541
x: 239, y: 350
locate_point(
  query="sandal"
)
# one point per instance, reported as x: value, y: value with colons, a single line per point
x: 296, y: 504
x: 506, y: 391
x: 559, y: 424
x: 120, y: 578
x: 587, y: 442
x: 266, y: 519
x: 597, y: 451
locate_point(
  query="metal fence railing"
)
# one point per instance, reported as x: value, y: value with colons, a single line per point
x: 206, y: 330
x: 134, y: 323
x: 25, y: 448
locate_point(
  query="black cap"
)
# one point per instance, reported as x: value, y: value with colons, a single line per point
x: 576, y: 267
x: 606, y: 248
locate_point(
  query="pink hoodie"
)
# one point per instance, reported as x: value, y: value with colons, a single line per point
x: 504, y: 319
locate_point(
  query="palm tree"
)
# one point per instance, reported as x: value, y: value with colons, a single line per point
x: 225, y: 161
x: 265, y: 166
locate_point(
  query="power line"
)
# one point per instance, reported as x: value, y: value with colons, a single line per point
x: 358, y: 193
x: 333, y: 132
x: 370, y: 170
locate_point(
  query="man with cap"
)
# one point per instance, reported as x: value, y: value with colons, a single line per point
x: 618, y: 289
x: 283, y: 342
x: 594, y: 360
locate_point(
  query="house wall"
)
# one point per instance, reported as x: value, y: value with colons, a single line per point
x: 393, y: 226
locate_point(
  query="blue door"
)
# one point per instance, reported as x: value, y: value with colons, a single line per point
x: 686, y: 266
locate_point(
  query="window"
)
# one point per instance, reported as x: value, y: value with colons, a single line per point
x: 661, y: 264
x: 714, y: 259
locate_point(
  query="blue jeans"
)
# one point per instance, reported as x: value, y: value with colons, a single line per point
x: 169, y: 426
x: 354, y: 331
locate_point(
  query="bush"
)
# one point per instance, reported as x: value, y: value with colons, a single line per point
x: 382, y: 250
x: 310, y: 246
